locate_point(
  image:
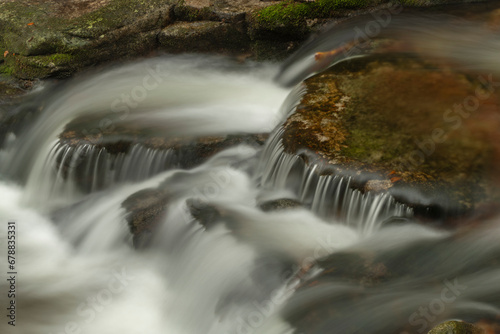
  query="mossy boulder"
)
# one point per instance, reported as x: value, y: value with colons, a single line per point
x: 55, y: 39
x: 423, y: 132
x: 291, y: 19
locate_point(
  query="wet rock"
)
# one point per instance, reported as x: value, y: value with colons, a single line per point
x: 203, y: 36
x: 17, y: 109
x: 204, y: 213
x: 9, y: 90
x: 403, y: 125
x: 107, y: 146
x: 378, y: 185
x: 145, y: 211
x: 456, y: 327
x: 357, y: 268
x: 280, y: 204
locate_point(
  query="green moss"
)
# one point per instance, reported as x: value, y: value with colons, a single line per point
x: 115, y: 15
x: 326, y: 8
x: 55, y: 65
x: 290, y: 18
x: 6, y: 70
x: 292, y: 13
x: 57, y: 59
x: 285, y: 13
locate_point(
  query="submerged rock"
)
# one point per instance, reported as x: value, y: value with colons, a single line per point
x: 425, y: 133
x: 355, y: 289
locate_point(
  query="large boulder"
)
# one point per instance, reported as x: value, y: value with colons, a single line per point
x: 424, y: 132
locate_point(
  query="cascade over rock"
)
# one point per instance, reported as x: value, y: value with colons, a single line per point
x: 122, y: 152
x: 394, y: 122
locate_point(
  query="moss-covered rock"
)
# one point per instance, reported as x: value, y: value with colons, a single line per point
x: 203, y: 36
x: 55, y: 39
x: 412, y: 124
x: 38, y: 67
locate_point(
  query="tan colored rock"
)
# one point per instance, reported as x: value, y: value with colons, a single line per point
x: 378, y: 185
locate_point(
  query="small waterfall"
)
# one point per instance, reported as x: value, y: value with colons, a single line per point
x: 191, y: 97
x: 95, y: 168
x: 72, y: 171
x: 330, y: 196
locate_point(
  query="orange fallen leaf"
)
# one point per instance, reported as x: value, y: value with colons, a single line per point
x: 395, y: 179
x: 31, y: 23
x: 5, y: 54
x: 318, y: 56
x: 392, y: 172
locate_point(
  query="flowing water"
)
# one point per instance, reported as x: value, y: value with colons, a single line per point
x: 78, y: 272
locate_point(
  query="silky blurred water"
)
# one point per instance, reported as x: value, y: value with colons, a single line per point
x: 79, y: 273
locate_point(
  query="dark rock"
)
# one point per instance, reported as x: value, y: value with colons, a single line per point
x: 204, y: 213
x: 145, y: 211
